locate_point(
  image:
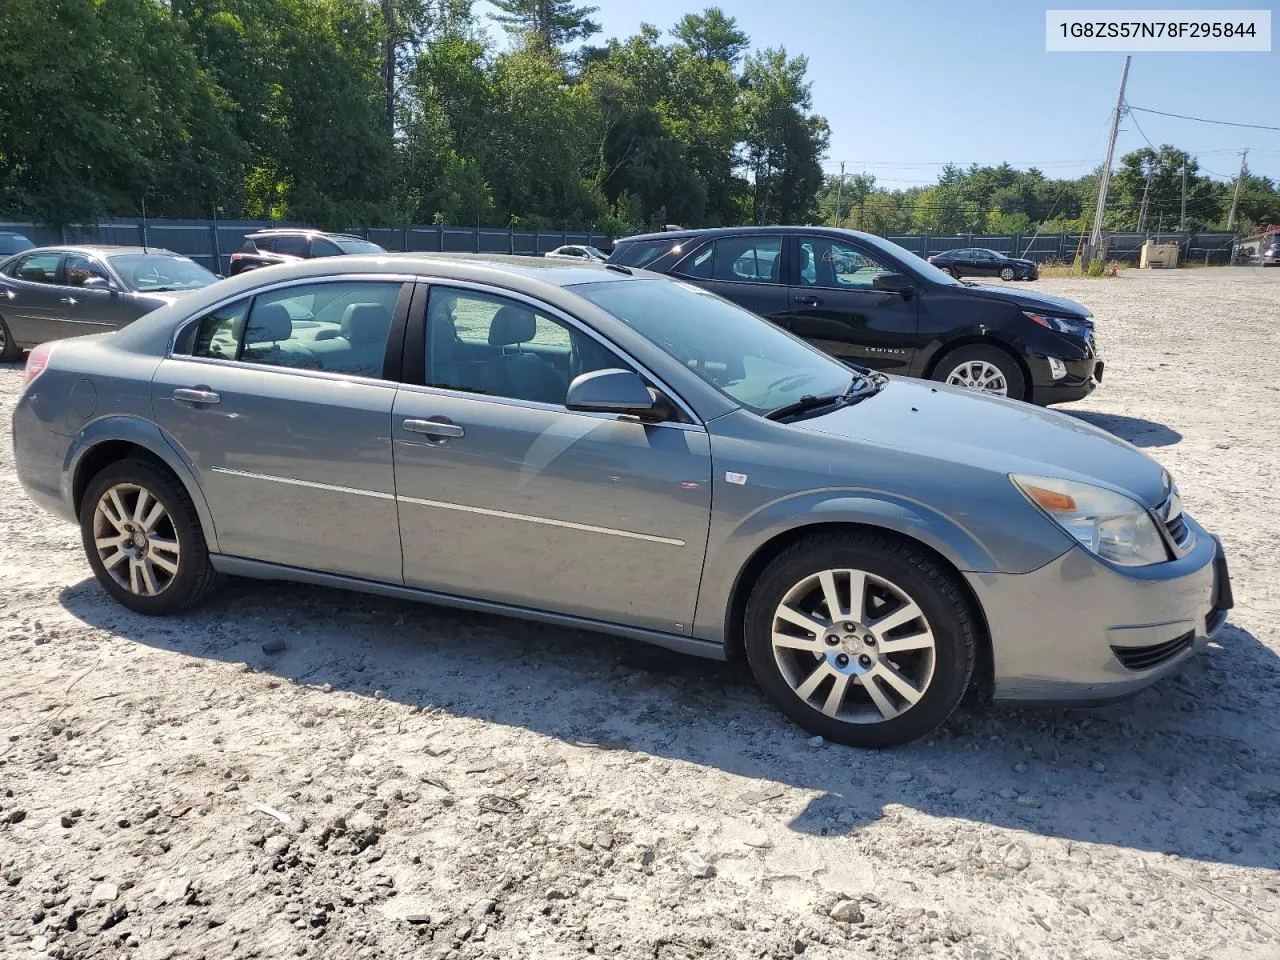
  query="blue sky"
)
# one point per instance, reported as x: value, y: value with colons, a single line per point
x: 909, y: 85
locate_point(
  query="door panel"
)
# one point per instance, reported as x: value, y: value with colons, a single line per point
x: 296, y: 467
x: 29, y: 297
x: 546, y: 508
x: 834, y: 306
x: 86, y: 309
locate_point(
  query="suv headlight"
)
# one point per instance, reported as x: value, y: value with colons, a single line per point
x: 1108, y: 524
x: 1076, y: 328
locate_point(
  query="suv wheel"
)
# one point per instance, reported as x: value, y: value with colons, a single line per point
x: 984, y: 369
x: 860, y: 638
x: 143, y: 539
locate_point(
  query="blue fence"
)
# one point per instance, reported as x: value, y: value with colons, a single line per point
x: 212, y: 242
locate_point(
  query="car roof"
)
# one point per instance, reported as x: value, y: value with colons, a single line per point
x: 101, y: 249
x: 301, y: 231
x: 789, y: 229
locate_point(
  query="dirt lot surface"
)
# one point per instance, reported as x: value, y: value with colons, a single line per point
x: 467, y: 786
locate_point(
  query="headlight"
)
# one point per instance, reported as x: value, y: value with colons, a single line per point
x: 1109, y: 524
x: 1060, y: 324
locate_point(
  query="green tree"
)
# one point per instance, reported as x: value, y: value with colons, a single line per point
x: 783, y: 141
x: 554, y: 23
x: 712, y: 35
x: 134, y: 119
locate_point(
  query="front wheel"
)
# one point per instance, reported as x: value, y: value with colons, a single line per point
x: 1007, y: 273
x: 9, y: 350
x: 860, y: 638
x: 143, y: 539
x: 983, y: 369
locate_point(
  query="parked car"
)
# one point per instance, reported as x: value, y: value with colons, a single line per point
x: 579, y: 252
x: 11, y: 243
x: 981, y: 262
x: 606, y: 449
x: 869, y: 302
x: 48, y: 293
x: 287, y: 244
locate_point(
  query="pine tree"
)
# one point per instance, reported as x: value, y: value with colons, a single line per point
x: 554, y: 22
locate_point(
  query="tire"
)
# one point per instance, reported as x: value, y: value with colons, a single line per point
x: 163, y: 591
x: 977, y: 354
x: 1007, y: 273
x: 9, y: 350
x: 937, y: 677
x: 955, y: 274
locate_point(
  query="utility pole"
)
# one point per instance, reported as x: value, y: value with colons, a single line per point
x: 839, y: 195
x: 1142, y: 211
x: 1235, y: 196
x: 1095, y: 238
x: 1182, y: 224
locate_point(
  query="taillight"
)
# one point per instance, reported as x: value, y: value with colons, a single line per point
x: 237, y: 257
x: 37, y: 360
x: 930, y: 259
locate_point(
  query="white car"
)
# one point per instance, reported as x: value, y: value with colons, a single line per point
x: 578, y: 252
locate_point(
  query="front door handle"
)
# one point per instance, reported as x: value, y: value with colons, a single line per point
x: 71, y: 300
x: 196, y: 395
x: 809, y: 301
x: 434, y: 428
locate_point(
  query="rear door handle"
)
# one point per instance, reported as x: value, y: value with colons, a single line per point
x: 196, y: 395
x: 434, y: 428
x: 809, y: 301
x: 71, y: 300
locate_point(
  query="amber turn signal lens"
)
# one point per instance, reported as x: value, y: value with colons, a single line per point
x: 1051, y: 500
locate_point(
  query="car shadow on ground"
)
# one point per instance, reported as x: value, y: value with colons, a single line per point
x: 1184, y: 767
x: 1139, y: 432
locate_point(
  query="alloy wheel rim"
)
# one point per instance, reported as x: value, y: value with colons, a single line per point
x: 136, y: 540
x: 980, y: 375
x: 1006, y: 274
x: 854, y: 646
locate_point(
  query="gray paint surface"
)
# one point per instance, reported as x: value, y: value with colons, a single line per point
x: 639, y: 529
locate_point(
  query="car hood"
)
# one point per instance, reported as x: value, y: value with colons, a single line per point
x: 949, y: 424
x: 1032, y: 301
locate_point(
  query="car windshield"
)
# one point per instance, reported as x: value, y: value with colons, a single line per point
x: 358, y: 246
x: 749, y: 359
x: 157, y: 272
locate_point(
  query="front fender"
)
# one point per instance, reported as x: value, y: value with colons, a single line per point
x: 147, y: 435
x: 727, y: 559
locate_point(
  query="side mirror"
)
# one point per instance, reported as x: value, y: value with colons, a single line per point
x: 98, y: 283
x: 895, y: 283
x: 615, y: 391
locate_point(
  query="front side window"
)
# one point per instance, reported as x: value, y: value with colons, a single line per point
x: 334, y: 327
x: 320, y: 247
x: 78, y: 269
x: 751, y: 259
x: 836, y: 264
x: 492, y: 345
x: 35, y: 268
x: 353, y: 245
x: 749, y: 359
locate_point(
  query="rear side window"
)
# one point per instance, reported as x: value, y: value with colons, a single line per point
x: 294, y: 246
x: 35, y: 268
x: 642, y: 252
x: 744, y: 259
x: 334, y: 327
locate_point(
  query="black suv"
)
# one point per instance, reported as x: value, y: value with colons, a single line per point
x: 285, y: 245
x: 869, y: 302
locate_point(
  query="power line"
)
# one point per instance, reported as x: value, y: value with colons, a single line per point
x: 1222, y: 123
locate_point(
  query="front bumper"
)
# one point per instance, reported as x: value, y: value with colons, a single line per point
x: 1080, y: 631
x: 1083, y: 377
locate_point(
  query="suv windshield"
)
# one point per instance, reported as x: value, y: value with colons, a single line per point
x: 357, y: 246
x: 752, y: 361
x: 156, y: 272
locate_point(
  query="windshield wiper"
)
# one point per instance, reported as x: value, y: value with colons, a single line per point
x: 861, y: 386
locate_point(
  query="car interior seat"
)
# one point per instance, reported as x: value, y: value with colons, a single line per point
x: 364, y: 327
x: 513, y: 373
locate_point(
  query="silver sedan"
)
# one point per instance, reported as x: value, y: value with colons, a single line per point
x: 609, y: 449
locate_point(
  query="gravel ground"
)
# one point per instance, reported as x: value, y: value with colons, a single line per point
x: 467, y: 786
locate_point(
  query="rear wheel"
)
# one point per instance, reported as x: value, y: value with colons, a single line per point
x: 143, y: 539
x: 860, y: 638
x: 9, y: 350
x: 953, y: 271
x: 984, y: 369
